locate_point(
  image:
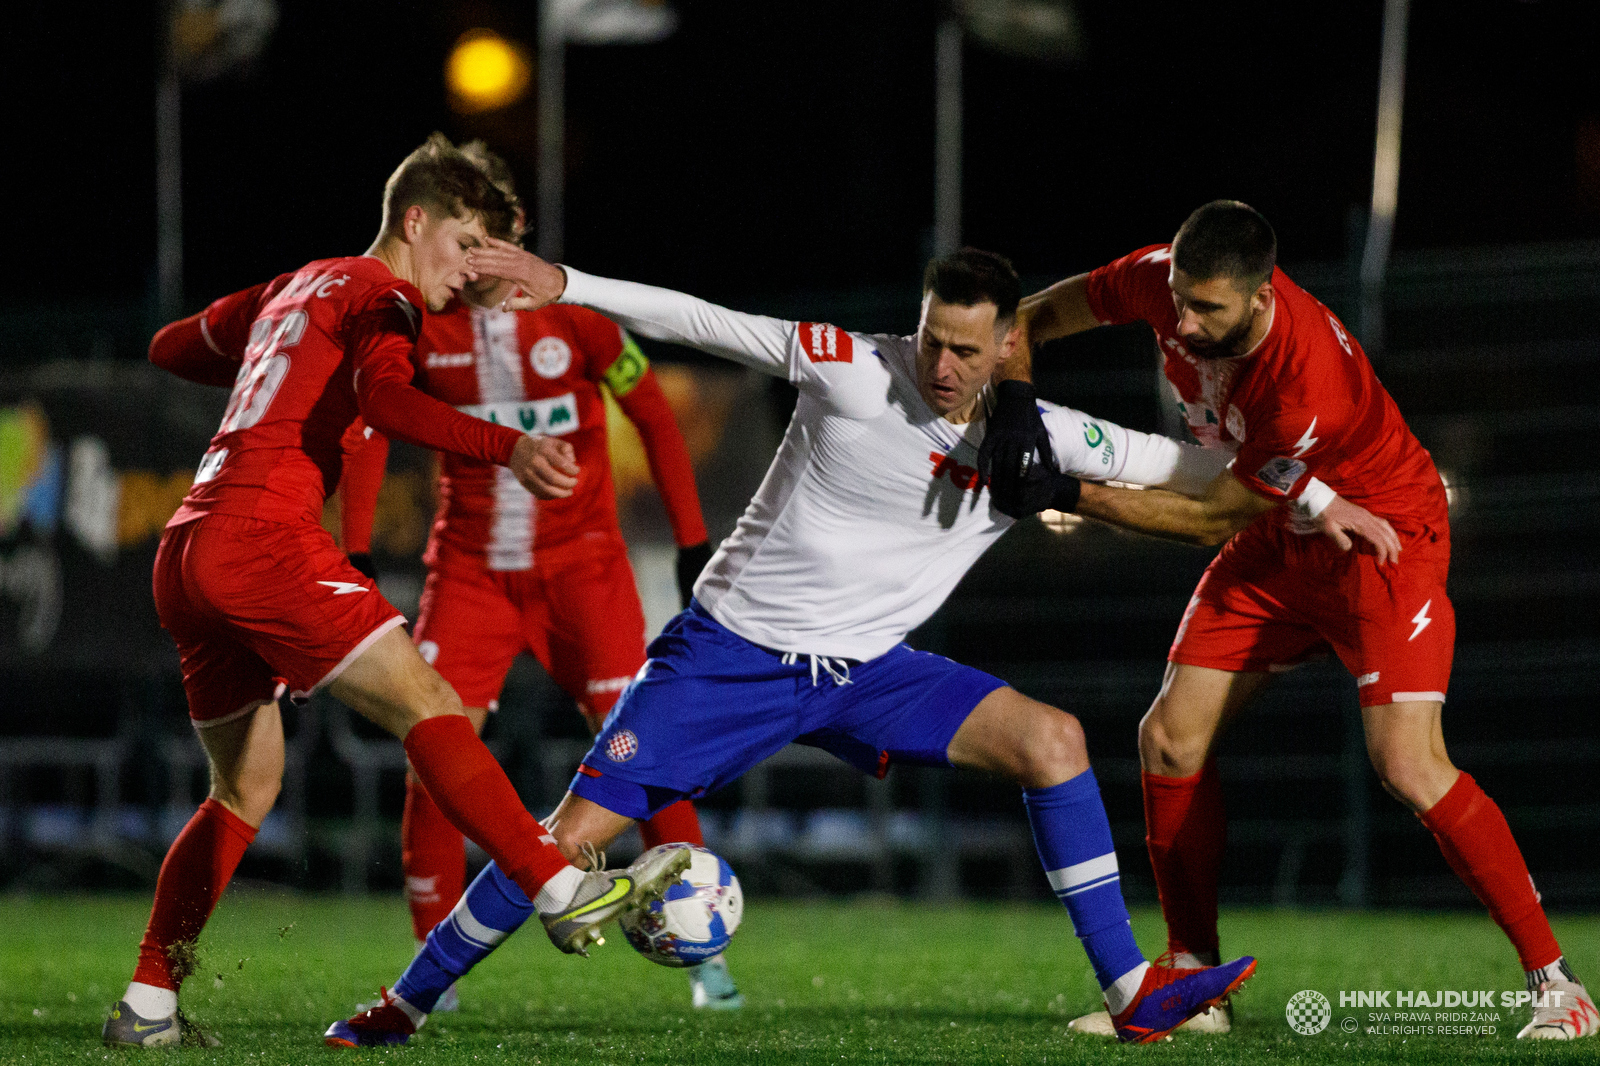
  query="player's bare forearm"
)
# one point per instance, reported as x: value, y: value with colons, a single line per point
x: 1156, y: 512
x: 1059, y: 311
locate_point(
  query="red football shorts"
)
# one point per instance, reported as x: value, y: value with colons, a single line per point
x: 1272, y: 599
x: 576, y: 609
x: 255, y: 605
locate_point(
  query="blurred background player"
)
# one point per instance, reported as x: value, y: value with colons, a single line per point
x: 260, y: 601
x: 869, y: 515
x: 506, y: 574
x: 1263, y: 370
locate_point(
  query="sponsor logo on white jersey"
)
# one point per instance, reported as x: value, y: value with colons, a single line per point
x: 961, y: 476
x: 447, y: 360
x: 552, y: 417
x: 823, y: 343
x: 550, y: 357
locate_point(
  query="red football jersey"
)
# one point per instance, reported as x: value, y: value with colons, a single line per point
x: 1305, y: 403
x: 312, y: 348
x: 538, y: 371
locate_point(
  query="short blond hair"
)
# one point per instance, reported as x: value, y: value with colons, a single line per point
x: 442, y: 180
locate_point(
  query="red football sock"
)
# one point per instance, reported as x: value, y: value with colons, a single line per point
x: 1478, y: 845
x: 196, y: 870
x: 676, y: 824
x: 477, y: 798
x: 434, y: 854
x: 1186, y: 829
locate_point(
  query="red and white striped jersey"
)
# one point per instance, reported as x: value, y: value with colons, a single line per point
x: 539, y: 372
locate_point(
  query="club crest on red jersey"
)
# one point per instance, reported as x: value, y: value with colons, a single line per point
x: 622, y: 746
x: 550, y: 356
x: 823, y: 343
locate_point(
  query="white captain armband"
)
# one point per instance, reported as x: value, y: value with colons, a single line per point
x: 1314, y: 498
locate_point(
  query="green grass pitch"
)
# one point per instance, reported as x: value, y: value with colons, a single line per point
x: 873, y: 982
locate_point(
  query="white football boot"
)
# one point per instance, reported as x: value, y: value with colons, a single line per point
x: 1213, y: 1021
x: 1565, y: 1016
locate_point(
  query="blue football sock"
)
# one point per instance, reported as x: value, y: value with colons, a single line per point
x: 492, y: 909
x: 1074, y: 841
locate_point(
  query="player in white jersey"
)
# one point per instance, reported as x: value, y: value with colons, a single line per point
x: 871, y: 512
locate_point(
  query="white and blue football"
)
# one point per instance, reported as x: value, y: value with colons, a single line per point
x: 696, y: 917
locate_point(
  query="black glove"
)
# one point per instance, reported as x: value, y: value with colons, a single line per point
x: 691, y: 561
x: 1040, y: 490
x: 1016, y: 446
x: 362, y: 561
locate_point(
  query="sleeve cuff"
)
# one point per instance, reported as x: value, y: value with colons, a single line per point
x: 578, y: 283
x: 1314, y: 498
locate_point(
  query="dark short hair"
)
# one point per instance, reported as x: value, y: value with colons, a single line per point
x: 441, y: 179
x: 971, y: 277
x: 1226, y: 239
x: 506, y: 223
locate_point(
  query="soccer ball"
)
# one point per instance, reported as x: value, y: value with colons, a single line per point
x: 696, y: 917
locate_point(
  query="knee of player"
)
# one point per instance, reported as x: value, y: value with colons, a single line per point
x: 1056, y: 749
x: 1162, y: 753
x: 1411, y: 776
x: 251, y: 794
x: 439, y: 698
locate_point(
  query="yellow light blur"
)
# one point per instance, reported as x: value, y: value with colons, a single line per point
x: 485, y: 71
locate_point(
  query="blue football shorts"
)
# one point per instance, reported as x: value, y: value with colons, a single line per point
x: 709, y: 705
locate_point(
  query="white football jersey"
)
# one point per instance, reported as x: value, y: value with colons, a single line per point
x: 872, y: 509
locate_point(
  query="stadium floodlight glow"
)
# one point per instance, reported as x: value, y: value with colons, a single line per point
x: 485, y: 71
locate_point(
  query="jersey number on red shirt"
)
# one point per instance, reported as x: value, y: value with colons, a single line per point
x: 263, y: 370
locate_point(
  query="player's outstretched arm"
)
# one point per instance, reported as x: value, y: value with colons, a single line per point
x: 1226, y: 508
x: 1059, y: 311
x: 207, y: 348
x: 660, y: 314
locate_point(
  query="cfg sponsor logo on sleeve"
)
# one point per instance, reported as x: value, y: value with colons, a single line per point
x: 1416, y: 1012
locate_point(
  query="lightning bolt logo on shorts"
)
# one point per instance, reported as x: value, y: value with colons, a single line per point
x: 343, y: 588
x: 1422, y: 620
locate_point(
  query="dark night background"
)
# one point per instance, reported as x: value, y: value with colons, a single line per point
x: 779, y: 157
x: 770, y: 148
